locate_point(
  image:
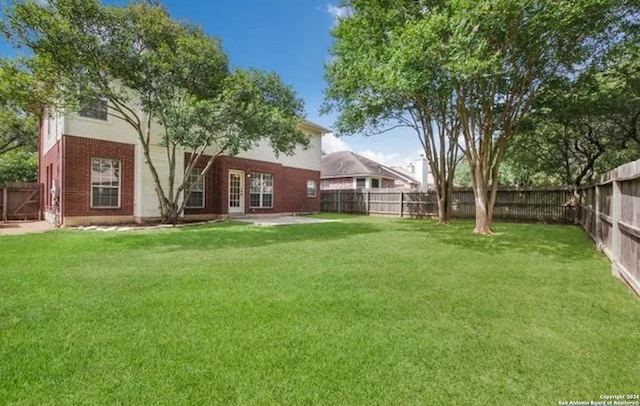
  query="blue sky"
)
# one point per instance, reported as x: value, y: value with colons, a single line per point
x: 292, y: 38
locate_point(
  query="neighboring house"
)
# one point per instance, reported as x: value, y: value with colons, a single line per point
x: 419, y: 171
x: 94, y: 168
x: 347, y: 170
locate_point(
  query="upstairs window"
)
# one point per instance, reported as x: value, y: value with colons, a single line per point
x: 96, y: 110
x: 195, y: 199
x: 361, y: 183
x: 375, y: 183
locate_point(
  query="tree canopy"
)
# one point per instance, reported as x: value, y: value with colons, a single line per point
x: 586, y: 125
x: 472, y: 68
x: 19, y: 109
x: 151, y: 69
x: 386, y: 72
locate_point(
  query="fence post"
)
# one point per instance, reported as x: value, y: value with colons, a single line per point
x: 367, y: 203
x: 5, y: 203
x: 41, y: 199
x: 598, y: 223
x: 616, y: 237
x: 401, y: 202
x: 339, y: 202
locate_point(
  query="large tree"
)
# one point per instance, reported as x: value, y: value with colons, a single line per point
x: 386, y: 73
x: 151, y: 69
x: 493, y: 58
x: 19, y: 165
x: 587, y: 125
x: 19, y: 109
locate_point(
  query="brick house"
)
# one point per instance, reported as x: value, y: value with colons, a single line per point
x: 94, y: 168
x: 347, y: 170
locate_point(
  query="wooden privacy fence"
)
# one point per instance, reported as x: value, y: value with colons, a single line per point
x: 609, y: 211
x: 21, y: 201
x: 539, y: 205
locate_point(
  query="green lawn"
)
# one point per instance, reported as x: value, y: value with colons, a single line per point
x: 362, y: 311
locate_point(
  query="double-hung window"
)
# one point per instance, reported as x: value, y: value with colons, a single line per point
x: 311, y: 188
x: 195, y: 181
x: 261, y: 190
x: 96, y: 110
x: 105, y: 183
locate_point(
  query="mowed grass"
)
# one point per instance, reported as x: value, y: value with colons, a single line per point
x: 361, y: 311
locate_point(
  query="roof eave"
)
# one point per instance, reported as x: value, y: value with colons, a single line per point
x: 313, y: 126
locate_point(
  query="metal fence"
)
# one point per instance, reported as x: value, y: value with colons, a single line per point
x: 551, y: 205
x: 609, y: 211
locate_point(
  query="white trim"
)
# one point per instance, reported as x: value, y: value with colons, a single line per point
x: 316, y: 127
x: 97, y: 120
x: 119, y: 187
x: 201, y: 179
x: 357, y: 175
x: 315, y: 188
x: 262, y: 193
x: 240, y: 209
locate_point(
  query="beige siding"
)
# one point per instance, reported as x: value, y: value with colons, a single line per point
x: 147, y: 204
x: 303, y: 159
x: 52, y: 130
x: 113, y: 129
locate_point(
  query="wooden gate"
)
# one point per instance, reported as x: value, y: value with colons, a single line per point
x: 21, y: 201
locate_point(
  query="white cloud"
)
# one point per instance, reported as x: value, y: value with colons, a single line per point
x: 393, y: 159
x: 338, y: 12
x: 331, y: 143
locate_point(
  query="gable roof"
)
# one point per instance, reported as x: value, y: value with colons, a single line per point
x: 348, y: 164
x: 314, y: 126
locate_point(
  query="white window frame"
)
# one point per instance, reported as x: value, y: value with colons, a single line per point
x: 100, y: 120
x: 315, y: 188
x: 200, y: 180
x: 119, y: 187
x: 355, y: 183
x: 261, y: 176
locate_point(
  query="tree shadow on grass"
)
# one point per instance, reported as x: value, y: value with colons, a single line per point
x: 231, y: 234
x: 564, y: 243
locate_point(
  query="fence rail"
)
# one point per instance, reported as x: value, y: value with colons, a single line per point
x: 20, y: 201
x: 540, y: 205
x: 609, y: 211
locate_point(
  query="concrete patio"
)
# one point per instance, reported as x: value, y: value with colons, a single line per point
x: 24, y: 227
x: 272, y: 221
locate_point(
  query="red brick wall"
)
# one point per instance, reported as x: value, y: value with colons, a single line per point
x: 289, y: 186
x: 76, y: 188
x: 338, y: 183
x: 349, y: 183
x: 50, y: 164
x: 387, y: 184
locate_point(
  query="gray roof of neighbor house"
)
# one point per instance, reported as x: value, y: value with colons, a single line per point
x: 348, y: 164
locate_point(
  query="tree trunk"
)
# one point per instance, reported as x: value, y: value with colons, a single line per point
x: 444, y: 194
x: 442, y: 211
x: 483, y: 217
x: 484, y: 208
x: 170, y: 213
x: 449, y: 205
